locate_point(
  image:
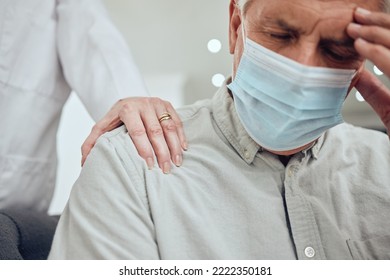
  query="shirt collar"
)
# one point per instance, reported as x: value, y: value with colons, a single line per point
x: 227, y: 120
x: 316, y: 148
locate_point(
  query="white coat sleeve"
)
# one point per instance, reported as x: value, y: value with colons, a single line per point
x: 95, y: 58
x: 107, y: 215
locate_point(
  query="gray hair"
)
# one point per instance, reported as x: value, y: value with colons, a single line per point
x: 243, y: 4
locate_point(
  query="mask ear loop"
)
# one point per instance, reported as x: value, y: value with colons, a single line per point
x: 242, y: 27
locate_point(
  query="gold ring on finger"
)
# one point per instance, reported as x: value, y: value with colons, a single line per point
x: 164, y: 117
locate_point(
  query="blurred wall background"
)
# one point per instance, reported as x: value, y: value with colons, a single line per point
x: 181, y: 49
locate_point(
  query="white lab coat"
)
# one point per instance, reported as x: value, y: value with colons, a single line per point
x: 47, y: 49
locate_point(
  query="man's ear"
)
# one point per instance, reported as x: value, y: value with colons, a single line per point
x: 234, y: 24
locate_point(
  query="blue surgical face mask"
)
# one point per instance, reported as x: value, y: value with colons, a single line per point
x: 283, y: 104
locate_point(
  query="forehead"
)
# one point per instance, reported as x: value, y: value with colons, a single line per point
x: 315, y: 5
x: 330, y: 15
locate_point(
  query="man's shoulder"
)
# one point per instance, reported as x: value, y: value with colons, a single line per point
x: 119, y: 140
x: 355, y: 137
x: 195, y: 118
x: 114, y: 148
x: 347, y: 129
x: 199, y: 109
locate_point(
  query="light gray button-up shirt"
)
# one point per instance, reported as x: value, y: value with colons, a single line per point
x: 230, y: 199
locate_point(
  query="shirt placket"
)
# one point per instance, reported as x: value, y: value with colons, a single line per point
x: 304, y: 228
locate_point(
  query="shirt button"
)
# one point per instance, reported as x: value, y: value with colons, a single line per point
x: 247, y: 155
x: 310, y: 252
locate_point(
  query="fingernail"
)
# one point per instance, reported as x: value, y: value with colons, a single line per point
x: 185, y: 146
x: 354, y: 26
x: 166, y: 168
x: 361, y: 42
x: 362, y: 11
x: 178, y: 160
x: 150, y: 163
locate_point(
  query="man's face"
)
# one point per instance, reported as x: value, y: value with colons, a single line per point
x: 311, y: 32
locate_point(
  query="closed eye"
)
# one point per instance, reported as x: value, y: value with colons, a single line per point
x: 282, y: 36
x: 339, y: 51
x: 341, y: 55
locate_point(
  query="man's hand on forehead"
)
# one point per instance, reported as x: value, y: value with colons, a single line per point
x: 371, y: 32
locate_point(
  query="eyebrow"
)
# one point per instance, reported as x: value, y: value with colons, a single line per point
x: 281, y: 23
x: 269, y: 22
x: 336, y: 42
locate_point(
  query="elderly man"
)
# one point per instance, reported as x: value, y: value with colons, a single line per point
x: 269, y: 174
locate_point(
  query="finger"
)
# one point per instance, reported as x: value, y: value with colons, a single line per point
x: 97, y: 131
x: 107, y: 123
x: 376, y: 94
x: 366, y: 17
x: 88, y: 144
x: 179, y: 125
x: 156, y: 138
x: 138, y: 135
x: 373, y: 34
x: 170, y: 130
x: 378, y: 54
x: 170, y: 133
x: 172, y: 141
